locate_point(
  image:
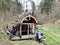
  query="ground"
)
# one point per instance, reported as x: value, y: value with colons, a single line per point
x: 46, y: 29
x: 52, y: 33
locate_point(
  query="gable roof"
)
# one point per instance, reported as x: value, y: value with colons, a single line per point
x: 22, y: 17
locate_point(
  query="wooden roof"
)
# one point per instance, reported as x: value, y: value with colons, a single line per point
x: 22, y: 17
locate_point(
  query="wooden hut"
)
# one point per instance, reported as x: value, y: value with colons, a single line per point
x: 25, y: 26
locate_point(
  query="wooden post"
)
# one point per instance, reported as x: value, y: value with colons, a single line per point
x: 33, y: 29
x: 20, y: 30
x: 28, y: 29
x: 17, y: 30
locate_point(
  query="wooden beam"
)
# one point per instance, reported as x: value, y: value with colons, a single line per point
x: 17, y: 30
x: 23, y: 23
x: 28, y: 29
x: 20, y: 30
x: 33, y: 28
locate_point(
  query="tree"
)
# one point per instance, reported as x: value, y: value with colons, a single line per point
x: 33, y: 6
x: 16, y: 7
x: 46, y: 6
x: 5, y: 5
x: 19, y: 8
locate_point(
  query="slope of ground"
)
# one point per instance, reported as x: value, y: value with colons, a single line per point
x: 4, y: 39
x: 51, y: 39
x: 52, y: 33
x: 54, y: 28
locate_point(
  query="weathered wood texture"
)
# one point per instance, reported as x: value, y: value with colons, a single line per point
x: 23, y: 37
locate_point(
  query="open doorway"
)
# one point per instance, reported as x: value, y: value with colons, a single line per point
x: 24, y: 29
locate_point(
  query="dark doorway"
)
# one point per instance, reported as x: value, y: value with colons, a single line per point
x: 24, y: 29
x: 29, y: 20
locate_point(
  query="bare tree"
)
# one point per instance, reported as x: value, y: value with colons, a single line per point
x: 33, y: 6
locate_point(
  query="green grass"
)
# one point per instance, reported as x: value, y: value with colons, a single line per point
x: 54, y: 28
x: 50, y: 38
x: 4, y: 38
x: 26, y: 42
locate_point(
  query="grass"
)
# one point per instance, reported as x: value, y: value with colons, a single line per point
x: 54, y: 28
x: 26, y: 42
x: 50, y: 38
x: 4, y: 39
